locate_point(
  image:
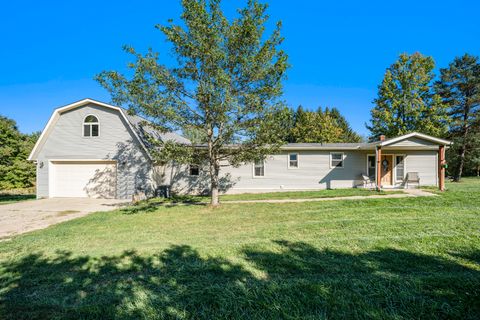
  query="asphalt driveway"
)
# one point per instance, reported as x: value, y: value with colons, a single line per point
x: 25, y: 216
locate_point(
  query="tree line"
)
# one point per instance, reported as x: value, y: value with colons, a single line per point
x: 411, y: 98
x: 15, y: 170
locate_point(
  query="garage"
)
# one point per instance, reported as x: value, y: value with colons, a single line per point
x: 83, y: 179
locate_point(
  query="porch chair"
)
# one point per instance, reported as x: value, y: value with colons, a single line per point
x: 413, y: 177
x: 367, y: 181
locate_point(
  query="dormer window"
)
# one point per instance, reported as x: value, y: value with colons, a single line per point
x: 90, y: 126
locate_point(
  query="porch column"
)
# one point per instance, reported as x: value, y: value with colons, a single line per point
x: 441, y: 169
x: 378, y: 168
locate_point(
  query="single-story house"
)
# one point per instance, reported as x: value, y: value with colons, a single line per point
x: 93, y: 149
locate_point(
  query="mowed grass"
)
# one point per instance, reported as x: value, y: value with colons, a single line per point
x: 375, y: 258
x: 329, y: 193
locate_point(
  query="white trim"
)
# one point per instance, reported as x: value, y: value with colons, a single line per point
x: 190, y: 172
x: 343, y: 160
x: 77, y: 104
x: 90, y: 124
x: 264, y: 170
x: 51, y: 172
x: 288, y: 161
x: 416, y: 135
x: 375, y: 162
x: 395, y: 181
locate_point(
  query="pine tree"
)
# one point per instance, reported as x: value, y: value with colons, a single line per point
x: 315, y: 127
x: 406, y: 101
x: 348, y: 135
x: 459, y: 87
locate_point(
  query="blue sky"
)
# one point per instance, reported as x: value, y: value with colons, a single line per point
x: 339, y: 50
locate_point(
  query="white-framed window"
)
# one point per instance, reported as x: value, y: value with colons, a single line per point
x: 371, y: 166
x: 336, y: 159
x: 194, y: 170
x: 399, y: 167
x: 259, y: 168
x: 91, y: 127
x: 293, y: 160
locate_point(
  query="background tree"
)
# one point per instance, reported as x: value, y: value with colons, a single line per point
x: 226, y: 85
x: 322, y: 126
x: 406, y: 101
x: 15, y: 170
x: 348, y: 134
x: 459, y: 87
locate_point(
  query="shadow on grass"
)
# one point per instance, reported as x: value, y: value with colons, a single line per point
x: 299, y: 281
x: 152, y: 205
x: 5, y: 198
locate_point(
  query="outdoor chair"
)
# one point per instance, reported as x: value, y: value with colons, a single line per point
x: 367, y: 181
x: 413, y: 177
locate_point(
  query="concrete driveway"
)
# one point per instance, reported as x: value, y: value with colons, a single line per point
x: 25, y: 216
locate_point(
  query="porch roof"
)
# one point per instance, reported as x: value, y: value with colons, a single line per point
x: 411, y: 141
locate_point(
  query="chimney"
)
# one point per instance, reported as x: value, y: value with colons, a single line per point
x: 382, y: 137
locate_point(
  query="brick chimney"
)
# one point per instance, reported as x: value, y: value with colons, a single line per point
x: 382, y: 137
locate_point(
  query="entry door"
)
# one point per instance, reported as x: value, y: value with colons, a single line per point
x: 387, y: 172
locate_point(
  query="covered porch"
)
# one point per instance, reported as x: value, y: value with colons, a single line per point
x: 407, y: 161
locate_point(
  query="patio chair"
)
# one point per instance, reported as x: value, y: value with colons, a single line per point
x: 413, y: 177
x: 367, y: 181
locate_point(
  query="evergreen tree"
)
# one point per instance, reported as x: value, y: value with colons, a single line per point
x: 406, y: 101
x: 459, y: 87
x: 226, y: 83
x: 348, y: 134
x: 315, y: 127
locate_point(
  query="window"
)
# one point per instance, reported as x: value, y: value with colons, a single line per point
x: 259, y: 168
x: 371, y: 167
x: 194, y: 170
x: 90, y: 126
x: 400, y: 167
x: 336, y: 160
x: 293, y: 160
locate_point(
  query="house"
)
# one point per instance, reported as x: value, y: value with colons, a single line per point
x: 94, y: 149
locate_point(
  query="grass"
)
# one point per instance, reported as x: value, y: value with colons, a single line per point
x: 374, y: 258
x: 330, y: 193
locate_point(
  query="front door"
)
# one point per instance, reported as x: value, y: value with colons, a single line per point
x: 387, y: 172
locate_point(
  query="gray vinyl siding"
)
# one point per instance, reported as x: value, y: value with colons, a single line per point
x: 313, y: 173
x: 425, y: 163
x: 116, y: 142
x: 413, y: 143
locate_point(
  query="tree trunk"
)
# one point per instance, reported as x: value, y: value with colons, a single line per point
x: 461, y: 155
x: 463, y: 148
x: 214, y: 171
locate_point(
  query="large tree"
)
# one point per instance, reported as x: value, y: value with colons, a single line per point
x: 225, y: 86
x: 15, y: 170
x: 321, y: 126
x: 315, y: 127
x: 459, y: 86
x: 348, y: 134
x: 406, y: 101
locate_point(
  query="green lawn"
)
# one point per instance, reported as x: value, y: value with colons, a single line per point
x: 330, y: 193
x: 375, y: 258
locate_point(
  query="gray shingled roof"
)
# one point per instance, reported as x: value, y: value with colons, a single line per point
x: 143, y: 130
x: 326, y: 146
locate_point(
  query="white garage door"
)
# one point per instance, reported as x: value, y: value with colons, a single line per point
x: 94, y: 179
